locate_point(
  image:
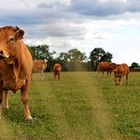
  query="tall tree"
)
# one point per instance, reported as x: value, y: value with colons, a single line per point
x: 106, y: 57
x: 98, y: 55
x: 63, y: 56
x: 134, y: 64
x: 76, y: 56
x: 40, y: 52
x: 72, y: 60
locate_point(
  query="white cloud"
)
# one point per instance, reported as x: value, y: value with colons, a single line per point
x: 113, y: 25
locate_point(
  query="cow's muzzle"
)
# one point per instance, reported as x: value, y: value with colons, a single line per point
x: 2, y: 55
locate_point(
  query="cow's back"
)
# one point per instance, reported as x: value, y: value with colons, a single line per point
x: 103, y: 66
x: 57, y: 67
x: 57, y: 71
x: 39, y: 65
x: 122, y: 69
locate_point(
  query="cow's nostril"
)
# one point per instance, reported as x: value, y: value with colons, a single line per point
x: 1, y: 52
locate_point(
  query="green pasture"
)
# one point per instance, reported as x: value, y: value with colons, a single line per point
x: 81, y: 106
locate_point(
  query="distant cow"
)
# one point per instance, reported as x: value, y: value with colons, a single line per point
x: 120, y: 71
x: 39, y: 66
x: 105, y: 67
x: 15, y: 66
x: 57, y: 70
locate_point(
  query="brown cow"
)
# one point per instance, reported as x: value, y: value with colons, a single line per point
x: 105, y: 66
x: 39, y: 66
x: 57, y: 70
x: 15, y: 66
x: 119, y: 72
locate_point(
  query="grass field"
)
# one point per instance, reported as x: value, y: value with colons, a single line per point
x: 80, y: 106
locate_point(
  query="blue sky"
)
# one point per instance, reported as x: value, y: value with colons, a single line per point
x: 113, y: 25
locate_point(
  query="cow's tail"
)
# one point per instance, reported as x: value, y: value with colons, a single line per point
x: 59, y: 69
x: 45, y: 66
x: 98, y: 70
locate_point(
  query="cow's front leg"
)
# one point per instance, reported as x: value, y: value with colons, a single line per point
x: 115, y: 79
x: 120, y: 80
x: 24, y: 99
x: 1, y: 99
x: 5, y: 103
x: 42, y: 75
x: 55, y: 75
x: 58, y: 75
x: 1, y: 94
x: 126, y: 79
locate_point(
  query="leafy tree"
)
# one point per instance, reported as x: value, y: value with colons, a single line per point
x: 106, y: 57
x: 63, y: 60
x: 134, y: 64
x: 72, y: 60
x: 98, y: 55
x: 63, y: 56
x: 40, y: 52
x: 76, y: 59
x: 75, y: 55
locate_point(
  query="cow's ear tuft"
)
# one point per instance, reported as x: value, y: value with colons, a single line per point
x: 19, y: 34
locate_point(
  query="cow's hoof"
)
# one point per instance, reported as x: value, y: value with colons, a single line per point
x: 29, y: 119
x: 5, y: 107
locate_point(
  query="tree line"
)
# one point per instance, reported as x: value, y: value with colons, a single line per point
x: 73, y: 60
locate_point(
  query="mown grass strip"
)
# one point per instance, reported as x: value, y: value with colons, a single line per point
x: 101, y: 109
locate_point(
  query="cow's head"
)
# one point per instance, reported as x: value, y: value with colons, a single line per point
x: 113, y: 66
x: 116, y: 68
x: 9, y: 41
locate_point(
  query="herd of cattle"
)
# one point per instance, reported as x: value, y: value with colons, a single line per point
x: 119, y: 70
x: 40, y: 66
x: 17, y: 66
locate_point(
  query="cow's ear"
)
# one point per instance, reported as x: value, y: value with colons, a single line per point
x: 19, y: 34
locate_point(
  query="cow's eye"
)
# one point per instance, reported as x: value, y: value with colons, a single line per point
x: 11, y: 39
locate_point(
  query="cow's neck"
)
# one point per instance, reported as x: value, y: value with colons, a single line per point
x: 16, y: 70
x: 20, y: 70
x: 17, y: 62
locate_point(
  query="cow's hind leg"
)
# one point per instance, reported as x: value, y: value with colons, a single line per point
x: 115, y: 79
x: 1, y: 93
x: 98, y: 74
x: 55, y: 75
x: 126, y: 79
x: 42, y: 75
x: 58, y: 76
x: 1, y: 99
x: 108, y: 73
x: 119, y: 80
x: 5, y: 103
